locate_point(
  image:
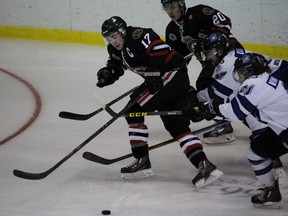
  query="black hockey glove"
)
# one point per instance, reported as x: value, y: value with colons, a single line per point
x: 106, y: 76
x: 154, y: 82
x: 209, y: 110
x: 192, y: 111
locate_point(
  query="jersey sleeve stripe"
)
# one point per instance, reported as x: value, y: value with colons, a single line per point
x: 153, y: 44
x: 246, y: 103
x: 236, y: 109
x: 171, y: 54
x: 223, y: 89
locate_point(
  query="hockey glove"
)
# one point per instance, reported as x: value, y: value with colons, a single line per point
x: 192, y: 111
x: 106, y: 76
x: 210, y: 110
x: 154, y: 82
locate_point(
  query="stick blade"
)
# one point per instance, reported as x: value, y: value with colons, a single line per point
x: 95, y: 158
x: 73, y: 116
x: 30, y: 176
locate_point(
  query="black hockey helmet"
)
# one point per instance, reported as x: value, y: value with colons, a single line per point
x: 214, y: 44
x: 174, y: 3
x: 181, y: 3
x: 215, y: 41
x: 251, y: 64
x: 112, y: 25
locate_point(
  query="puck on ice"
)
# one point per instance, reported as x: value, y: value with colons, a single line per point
x: 106, y: 212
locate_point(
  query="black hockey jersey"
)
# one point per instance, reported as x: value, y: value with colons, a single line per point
x: 199, y: 21
x: 143, y: 52
x: 174, y: 34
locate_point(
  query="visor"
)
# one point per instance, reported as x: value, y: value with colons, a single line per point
x: 112, y: 37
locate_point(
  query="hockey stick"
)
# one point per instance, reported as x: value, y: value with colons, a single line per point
x: 83, y: 117
x: 95, y: 158
x: 142, y: 114
x: 37, y: 176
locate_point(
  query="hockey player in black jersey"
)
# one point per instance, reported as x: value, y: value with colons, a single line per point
x: 187, y: 25
x: 165, y: 87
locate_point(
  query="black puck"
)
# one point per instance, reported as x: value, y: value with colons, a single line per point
x: 106, y: 212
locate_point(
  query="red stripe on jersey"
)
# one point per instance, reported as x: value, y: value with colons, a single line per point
x: 167, y: 75
x: 171, y: 54
x: 160, y: 53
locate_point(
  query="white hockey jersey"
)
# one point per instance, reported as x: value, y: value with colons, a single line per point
x: 224, y: 85
x: 265, y: 97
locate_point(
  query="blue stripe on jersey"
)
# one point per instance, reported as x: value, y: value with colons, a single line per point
x: 256, y: 114
x: 281, y: 70
x: 222, y: 89
x: 211, y: 93
x: 236, y: 109
x: 246, y: 103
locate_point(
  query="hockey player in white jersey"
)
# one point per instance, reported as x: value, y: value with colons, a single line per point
x: 216, y: 49
x: 264, y: 94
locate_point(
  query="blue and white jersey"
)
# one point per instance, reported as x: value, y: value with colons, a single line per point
x: 224, y: 85
x: 279, y: 69
x: 265, y: 97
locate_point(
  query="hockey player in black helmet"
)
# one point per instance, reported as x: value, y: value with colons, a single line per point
x: 112, y: 27
x: 215, y: 48
x: 249, y: 65
x: 265, y: 97
x: 187, y: 25
x: 165, y: 87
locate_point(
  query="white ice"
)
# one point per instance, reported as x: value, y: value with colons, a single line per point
x: 64, y: 75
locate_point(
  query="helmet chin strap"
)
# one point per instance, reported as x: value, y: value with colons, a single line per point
x: 183, y: 12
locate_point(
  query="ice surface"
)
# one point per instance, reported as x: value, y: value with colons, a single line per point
x: 64, y: 75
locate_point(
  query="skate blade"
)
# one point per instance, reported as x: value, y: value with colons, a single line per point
x: 269, y: 205
x: 137, y: 175
x: 226, y: 138
x: 280, y: 173
x: 214, y: 175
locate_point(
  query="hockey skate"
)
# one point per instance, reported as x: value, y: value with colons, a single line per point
x: 269, y: 197
x: 207, y: 174
x: 278, y: 169
x: 139, y: 168
x: 220, y: 134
